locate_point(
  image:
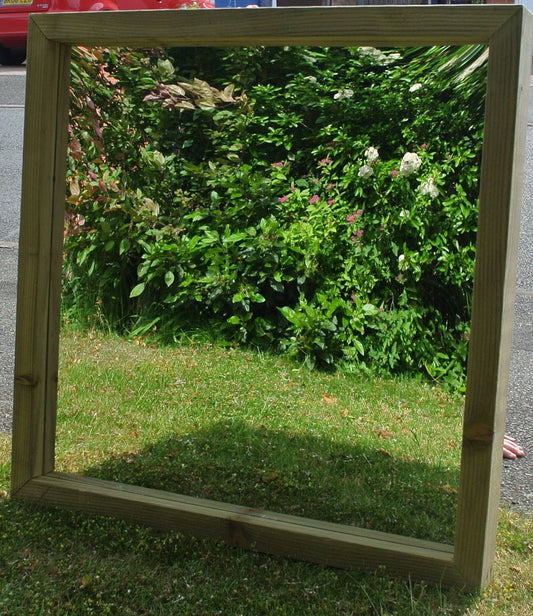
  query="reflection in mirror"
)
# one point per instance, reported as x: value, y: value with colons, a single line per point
x: 268, y: 272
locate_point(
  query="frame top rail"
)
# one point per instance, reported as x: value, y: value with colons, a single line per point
x: 321, y: 26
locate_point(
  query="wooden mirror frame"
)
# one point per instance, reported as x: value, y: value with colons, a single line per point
x: 507, y: 32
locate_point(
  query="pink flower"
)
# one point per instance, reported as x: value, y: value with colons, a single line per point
x: 351, y: 217
x: 359, y: 233
x: 324, y: 161
x: 330, y: 186
x: 278, y: 164
x: 331, y: 201
x: 283, y: 199
x: 394, y: 172
x: 314, y: 199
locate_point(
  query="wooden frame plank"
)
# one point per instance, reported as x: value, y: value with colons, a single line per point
x: 396, y: 26
x: 245, y: 527
x: 40, y: 257
x: 507, y: 30
x: 493, y: 300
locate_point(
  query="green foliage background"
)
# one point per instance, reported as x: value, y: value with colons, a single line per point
x: 260, y: 192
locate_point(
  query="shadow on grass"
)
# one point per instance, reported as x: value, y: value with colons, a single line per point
x: 299, y: 474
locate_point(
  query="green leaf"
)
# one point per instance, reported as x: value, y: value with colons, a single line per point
x: 124, y: 245
x: 359, y: 346
x: 137, y: 289
x: 370, y: 309
x: 277, y: 286
x: 169, y: 278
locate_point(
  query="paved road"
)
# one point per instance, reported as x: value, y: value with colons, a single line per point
x: 517, y: 480
x: 12, y: 83
x: 517, y: 476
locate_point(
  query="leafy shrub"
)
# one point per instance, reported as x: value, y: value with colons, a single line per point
x: 316, y: 201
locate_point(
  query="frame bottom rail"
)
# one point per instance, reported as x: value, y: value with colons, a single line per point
x: 291, y: 536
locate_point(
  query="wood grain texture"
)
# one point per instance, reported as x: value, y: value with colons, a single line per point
x: 40, y: 256
x: 493, y: 298
x: 302, y: 538
x: 352, y: 25
x: 507, y: 30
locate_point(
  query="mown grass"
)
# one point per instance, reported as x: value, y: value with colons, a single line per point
x: 236, y: 426
x: 259, y: 430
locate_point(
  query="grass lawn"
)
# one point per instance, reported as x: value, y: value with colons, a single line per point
x: 251, y: 429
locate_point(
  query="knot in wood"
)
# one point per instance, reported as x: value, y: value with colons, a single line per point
x: 478, y: 434
x: 26, y: 379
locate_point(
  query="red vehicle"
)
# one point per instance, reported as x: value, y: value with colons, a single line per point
x: 14, y: 17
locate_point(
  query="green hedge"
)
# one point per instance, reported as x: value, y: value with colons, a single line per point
x: 320, y: 202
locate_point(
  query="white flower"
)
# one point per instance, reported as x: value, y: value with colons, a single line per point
x: 345, y: 93
x: 371, y: 154
x: 405, y: 214
x: 310, y: 78
x: 410, y: 163
x: 402, y: 263
x: 429, y: 188
x: 378, y: 56
x: 385, y: 60
x: 366, y: 171
x: 415, y: 87
x: 370, y: 51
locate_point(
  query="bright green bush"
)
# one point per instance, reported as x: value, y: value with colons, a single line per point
x: 316, y: 201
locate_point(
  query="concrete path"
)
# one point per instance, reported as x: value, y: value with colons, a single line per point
x: 517, y: 480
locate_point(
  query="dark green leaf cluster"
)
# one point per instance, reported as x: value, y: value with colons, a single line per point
x: 322, y: 202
